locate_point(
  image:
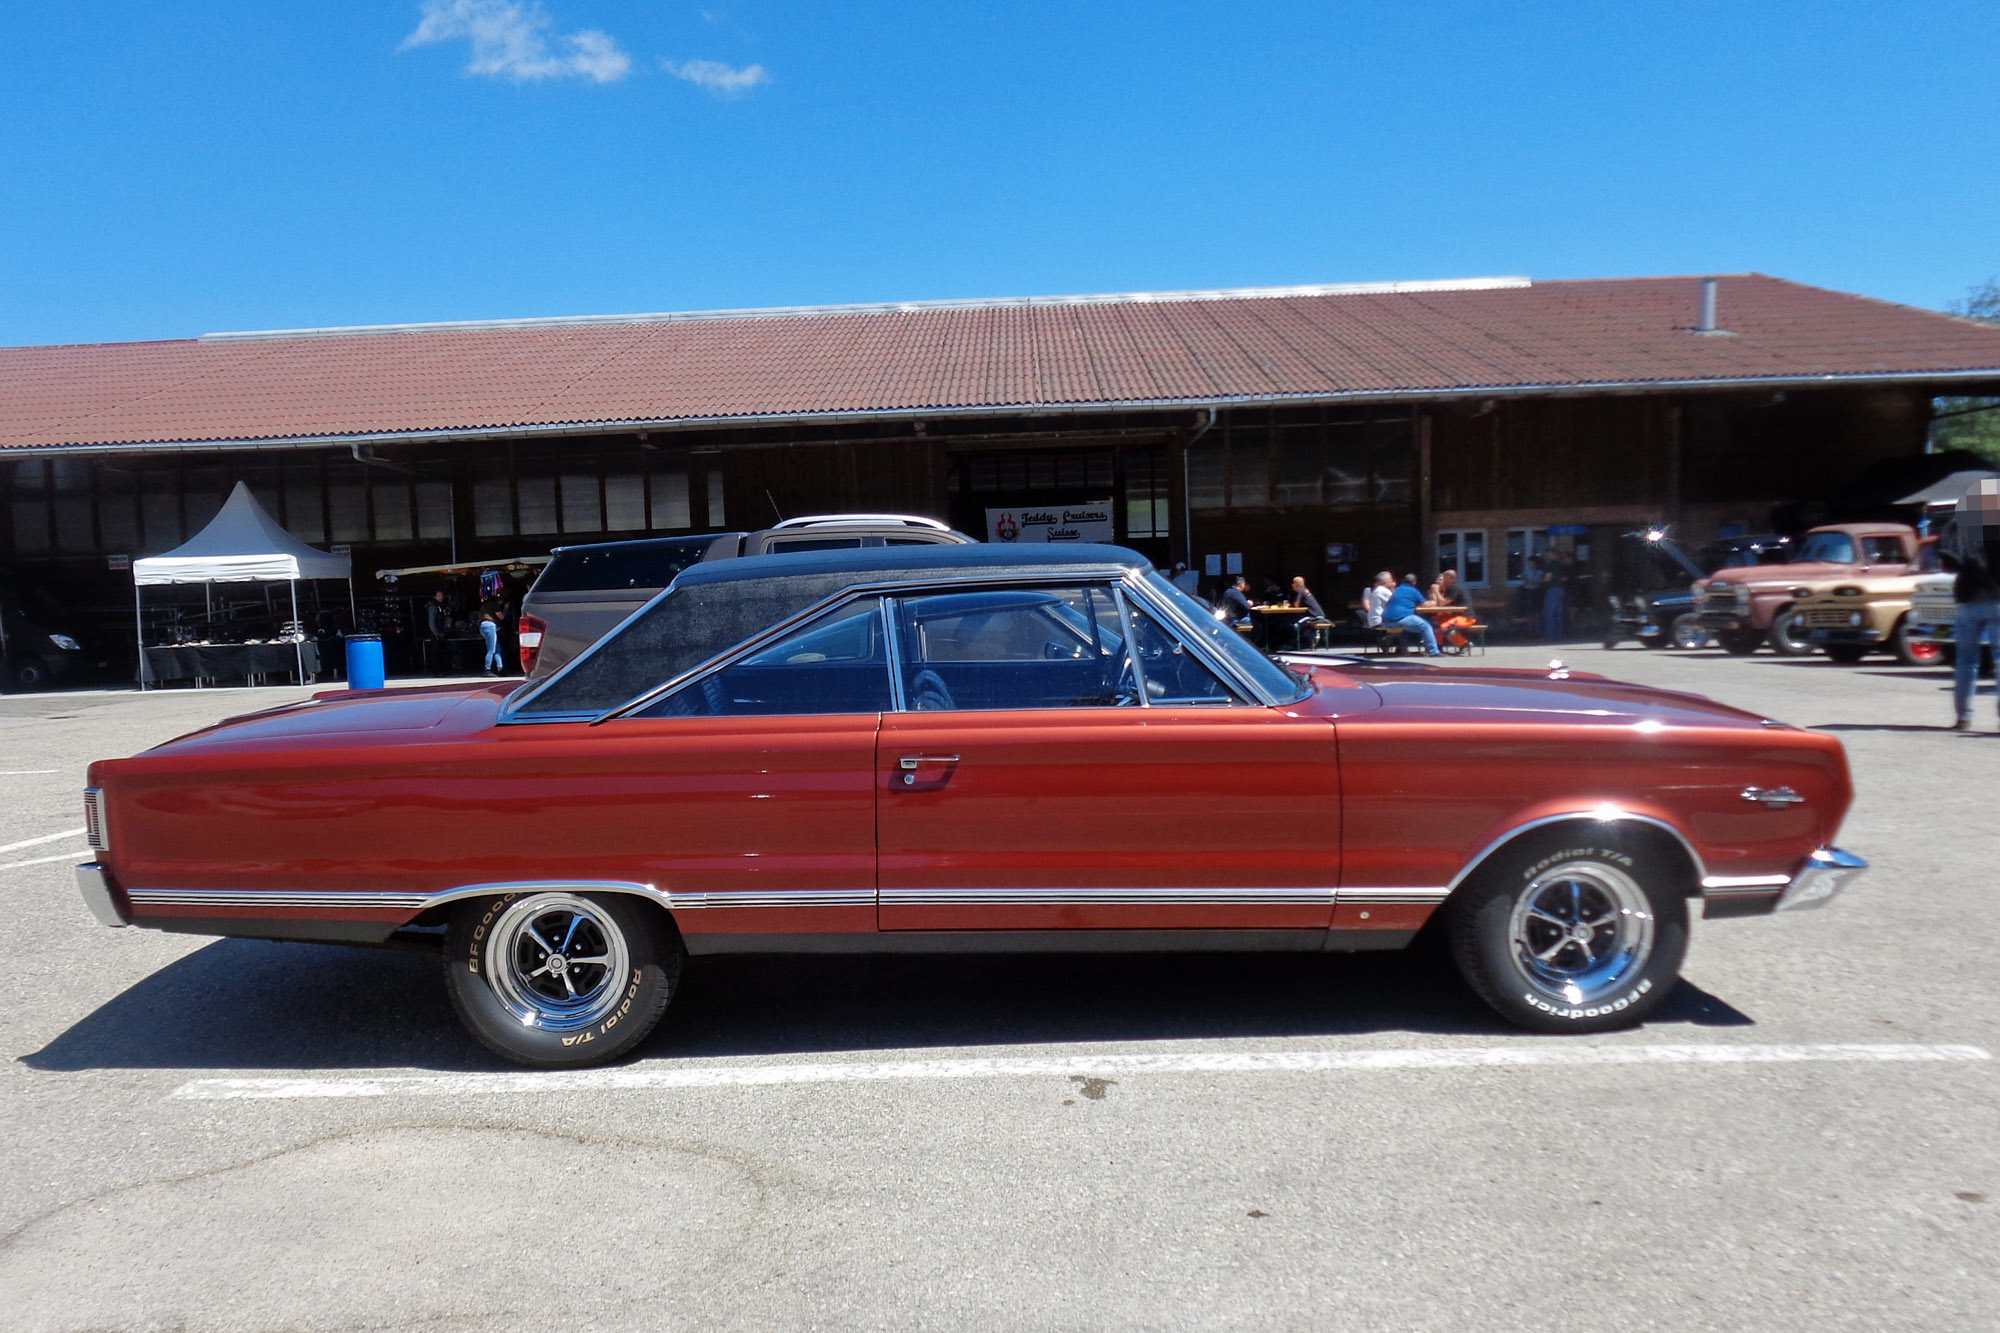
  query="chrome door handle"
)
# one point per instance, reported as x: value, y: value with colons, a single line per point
x: 910, y: 761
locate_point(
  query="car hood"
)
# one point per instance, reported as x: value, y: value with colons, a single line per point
x: 332, y: 715
x: 1513, y: 696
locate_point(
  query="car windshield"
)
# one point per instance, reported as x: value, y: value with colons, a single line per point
x: 1272, y: 678
x: 1833, y: 548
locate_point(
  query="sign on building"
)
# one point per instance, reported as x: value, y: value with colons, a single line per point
x: 1089, y: 522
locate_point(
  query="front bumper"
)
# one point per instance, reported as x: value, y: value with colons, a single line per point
x: 1815, y: 884
x: 1722, y: 620
x: 95, y: 886
x: 1844, y: 634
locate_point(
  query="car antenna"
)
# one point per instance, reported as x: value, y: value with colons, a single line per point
x: 774, y: 505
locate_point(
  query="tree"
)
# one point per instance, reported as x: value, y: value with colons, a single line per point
x: 1971, y: 423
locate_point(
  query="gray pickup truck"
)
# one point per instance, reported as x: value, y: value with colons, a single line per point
x: 585, y: 591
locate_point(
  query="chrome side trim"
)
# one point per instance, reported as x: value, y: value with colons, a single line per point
x: 1827, y: 871
x: 1603, y: 814
x: 794, y: 898
x: 95, y: 887
x: 1399, y: 895
x: 1302, y: 897
x: 298, y: 900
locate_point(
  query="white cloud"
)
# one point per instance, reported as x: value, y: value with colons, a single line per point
x: 716, y: 77
x: 512, y: 40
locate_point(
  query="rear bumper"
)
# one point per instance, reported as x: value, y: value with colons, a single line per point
x: 1824, y: 875
x: 95, y: 886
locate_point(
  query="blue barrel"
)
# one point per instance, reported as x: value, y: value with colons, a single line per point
x: 365, y: 669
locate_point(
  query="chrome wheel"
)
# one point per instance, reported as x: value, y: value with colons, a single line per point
x: 557, y: 961
x: 1580, y: 931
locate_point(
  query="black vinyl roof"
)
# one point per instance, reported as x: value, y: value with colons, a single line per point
x: 713, y: 607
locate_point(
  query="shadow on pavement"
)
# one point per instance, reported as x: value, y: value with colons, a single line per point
x: 247, y: 1004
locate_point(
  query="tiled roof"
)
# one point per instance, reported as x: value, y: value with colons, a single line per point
x: 1408, y: 340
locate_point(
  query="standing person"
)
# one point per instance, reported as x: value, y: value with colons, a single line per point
x: 1303, y: 596
x: 1186, y: 579
x: 1529, y: 596
x: 1555, y: 618
x: 1401, y: 613
x: 1236, y: 601
x: 1377, y: 597
x: 492, y: 612
x: 437, y: 616
x: 1970, y: 547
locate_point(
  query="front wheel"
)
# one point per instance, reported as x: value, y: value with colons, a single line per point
x: 1687, y: 632
x: 1787, y: 637
x: 1740, y: 642
x: 1573, y: 933
x: 1914, y: 652
x: 557, y: 979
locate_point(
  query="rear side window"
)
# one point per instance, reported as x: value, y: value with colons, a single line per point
x: 778, y: 544
x: 644, y: 564
x: 834, y: 665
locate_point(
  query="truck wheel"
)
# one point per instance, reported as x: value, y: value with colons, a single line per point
x: 1687, y: 632
x: 1847, y: 654
x: 1740, y: 642
x: 1573, y: 932
x: 1914, y: 652
x: 1787, y: 637
x: 27, y: 673
x: 557, y: 979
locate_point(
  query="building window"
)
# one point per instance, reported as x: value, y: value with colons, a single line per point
x: 1463, y: 549
x: 1146, y: 498
x: 716, y: 515
x: 1523, y: 543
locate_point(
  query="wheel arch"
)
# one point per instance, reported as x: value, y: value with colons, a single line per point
x: 438, y: 907
x: 1654, y: 828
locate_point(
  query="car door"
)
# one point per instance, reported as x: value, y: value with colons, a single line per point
x: 1060, y: 765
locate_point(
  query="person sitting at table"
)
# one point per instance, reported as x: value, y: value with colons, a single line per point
x: 1302, y: 596
x: 1446, y: 591
x: 1377, y: 597
x: 1236, y: 601
x: 1401, y: 613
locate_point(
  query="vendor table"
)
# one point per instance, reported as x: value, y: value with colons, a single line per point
x: 227, y: 661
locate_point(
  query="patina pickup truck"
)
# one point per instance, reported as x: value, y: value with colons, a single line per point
x: 1744, y: 608
x: 1855, y: 617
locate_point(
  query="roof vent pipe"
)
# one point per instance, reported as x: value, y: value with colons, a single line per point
x: 1706, y: 324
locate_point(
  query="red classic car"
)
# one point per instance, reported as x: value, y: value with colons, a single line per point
x: 969, y: 748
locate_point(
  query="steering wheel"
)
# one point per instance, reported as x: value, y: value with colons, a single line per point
x: 928, y: 693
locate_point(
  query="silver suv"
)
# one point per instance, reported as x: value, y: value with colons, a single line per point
x: 585, y: 591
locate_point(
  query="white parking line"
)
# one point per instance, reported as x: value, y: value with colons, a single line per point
x: 39, y: 861
x: 27, y: 772
x: 644, y: 1079
x: 47, y: 837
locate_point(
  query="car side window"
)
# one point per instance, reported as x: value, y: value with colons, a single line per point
x: 836, y: 664
x: 1882, y: 550
x: 1014, y: 648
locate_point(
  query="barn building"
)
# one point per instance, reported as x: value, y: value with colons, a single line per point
x: 1326, y: 431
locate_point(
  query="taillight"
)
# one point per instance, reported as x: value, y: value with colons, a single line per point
x: 530, y: 632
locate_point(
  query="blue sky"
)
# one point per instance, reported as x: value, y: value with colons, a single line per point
x: 172, y: 169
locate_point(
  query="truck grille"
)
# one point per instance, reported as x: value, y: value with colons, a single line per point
x: 1831, y: 617
x: 1933, y: 610
x: 1719, y: 599
x: 94, y: 826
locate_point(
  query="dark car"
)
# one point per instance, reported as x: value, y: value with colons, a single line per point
x: 585, y: 591
x: 32, y: 655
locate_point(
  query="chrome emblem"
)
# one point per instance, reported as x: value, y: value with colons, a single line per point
x: 1772, y: 798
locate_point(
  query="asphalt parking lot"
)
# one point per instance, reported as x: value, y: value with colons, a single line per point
x: 211, y: 1134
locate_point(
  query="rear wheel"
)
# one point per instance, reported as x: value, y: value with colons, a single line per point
x: 557, y: 979
x: 1787, y: 636
x: 1847, y: 654
x: 1573, y: 932
x: 1914, y: 652
x: 1740, y: 642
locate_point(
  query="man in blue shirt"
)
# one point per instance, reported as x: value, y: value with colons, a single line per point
x: 1236, y: 601
x: 1401, y: 613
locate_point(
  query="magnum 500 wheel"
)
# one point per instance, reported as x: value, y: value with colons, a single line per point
x: 558, y: 979
x: 1582, y: 931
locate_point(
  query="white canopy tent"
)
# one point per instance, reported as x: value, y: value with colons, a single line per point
x: 241, y: 544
